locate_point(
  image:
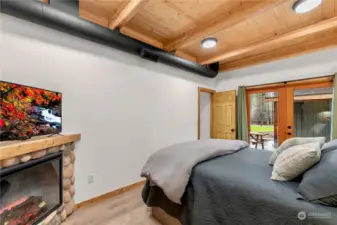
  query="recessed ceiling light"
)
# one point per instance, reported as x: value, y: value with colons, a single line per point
x: 209, y: 42
x: 303, y: 6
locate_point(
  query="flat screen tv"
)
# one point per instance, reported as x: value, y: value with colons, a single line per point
x: 27, y: 111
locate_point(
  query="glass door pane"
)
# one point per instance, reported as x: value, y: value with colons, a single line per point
x: 312, y: 112
x: 264, y: 122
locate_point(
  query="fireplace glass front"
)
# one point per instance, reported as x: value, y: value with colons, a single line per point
x: 31, y: 191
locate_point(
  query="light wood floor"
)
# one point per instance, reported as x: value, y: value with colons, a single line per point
x: 125, y: 209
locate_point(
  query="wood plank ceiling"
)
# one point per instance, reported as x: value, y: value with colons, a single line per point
x: 249, y: 32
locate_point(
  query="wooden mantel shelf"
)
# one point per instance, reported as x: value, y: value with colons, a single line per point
x: 9, y: 149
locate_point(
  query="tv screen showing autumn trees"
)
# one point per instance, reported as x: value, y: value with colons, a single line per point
x: 27, y: 111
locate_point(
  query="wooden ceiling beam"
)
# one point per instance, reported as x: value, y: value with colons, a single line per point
x: 308, y: 30
x: 244, y: 11
x: 126, y: 13
x: 151, y: 41
x: 141, y: 37
x: 87, y: 14
x: 279, y: 54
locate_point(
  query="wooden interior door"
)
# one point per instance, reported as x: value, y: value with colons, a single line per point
x: 224, y: 115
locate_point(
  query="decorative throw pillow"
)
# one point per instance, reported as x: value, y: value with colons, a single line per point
x: 293, y: 142
x: 330, y: 146
x: 319, y: 184
x: 293, y: 161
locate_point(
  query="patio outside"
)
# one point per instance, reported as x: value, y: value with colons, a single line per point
x: 263, y: 121
x: 312, y: 116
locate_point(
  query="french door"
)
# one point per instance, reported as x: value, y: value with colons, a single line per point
x: 309, y: 110
x: 266, y: 117
x: 293, y: 109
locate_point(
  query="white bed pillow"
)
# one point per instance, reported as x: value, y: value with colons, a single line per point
x: 295, y: 160
x: 293, y: 142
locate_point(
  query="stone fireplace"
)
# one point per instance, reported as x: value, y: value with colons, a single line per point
x: 37, y: 184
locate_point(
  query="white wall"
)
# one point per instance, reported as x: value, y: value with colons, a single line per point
x: 311, y: 65
x: 125, y: 107
x: 205, y: 115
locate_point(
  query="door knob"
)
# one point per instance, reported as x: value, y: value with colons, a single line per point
x: 232, y: 130
x: 289, y: 133
x: 289, y: 127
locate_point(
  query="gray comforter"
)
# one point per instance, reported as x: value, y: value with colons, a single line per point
x: 170, y: 168
x: 237, y: 189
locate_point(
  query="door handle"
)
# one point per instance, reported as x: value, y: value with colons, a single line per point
x: 289, y: 133
x: 232, y: 130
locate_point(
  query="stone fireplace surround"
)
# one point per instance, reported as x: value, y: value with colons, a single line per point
x: 15, y: 152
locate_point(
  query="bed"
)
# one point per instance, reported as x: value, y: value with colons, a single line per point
x: 237, y: 189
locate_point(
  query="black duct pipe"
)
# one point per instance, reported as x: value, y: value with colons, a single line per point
x: 44, y: 14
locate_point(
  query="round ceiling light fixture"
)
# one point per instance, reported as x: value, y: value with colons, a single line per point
x: 209, y: 42
x: 303, y: 6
